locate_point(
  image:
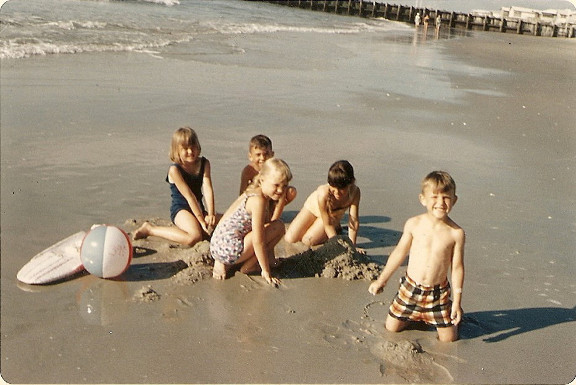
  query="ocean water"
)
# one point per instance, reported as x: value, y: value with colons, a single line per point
x: 39, y: 27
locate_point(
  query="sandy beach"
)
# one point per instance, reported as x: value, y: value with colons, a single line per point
x: 85, y: 140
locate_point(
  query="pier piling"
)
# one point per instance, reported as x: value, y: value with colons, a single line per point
x: 397, y: 12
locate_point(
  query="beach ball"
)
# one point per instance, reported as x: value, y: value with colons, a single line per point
x: 106, y: 251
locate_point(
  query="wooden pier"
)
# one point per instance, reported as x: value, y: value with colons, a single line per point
x: 373, y: 9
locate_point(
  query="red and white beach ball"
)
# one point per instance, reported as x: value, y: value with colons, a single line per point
x: 106, y: 251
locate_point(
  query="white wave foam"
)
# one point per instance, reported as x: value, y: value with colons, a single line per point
x: 168, y: 3
x: 251, y: 28
x: 72, y: 24
x: 18, y: 50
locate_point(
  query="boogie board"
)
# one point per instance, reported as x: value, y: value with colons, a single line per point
x: 57, y: 262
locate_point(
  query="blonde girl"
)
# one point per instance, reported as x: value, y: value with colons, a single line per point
x: 320, y: 217
x: 190, y: 181
x: 242, y: 236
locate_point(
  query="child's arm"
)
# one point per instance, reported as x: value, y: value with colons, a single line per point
x: 257, y: 206
x: 176, y: 177
x: 353, y: 217
x: 279, y: 207
x: 247, y: 175
x: 208, y: 191
x: 458, y: 277
x: 394, y: 260
x: 329, y: 226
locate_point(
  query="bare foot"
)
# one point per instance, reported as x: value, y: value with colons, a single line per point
x: 143, y: 232
x: 219, y: 271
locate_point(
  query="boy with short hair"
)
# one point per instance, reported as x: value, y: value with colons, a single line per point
x: 435, y: 244
x: 259, y: 151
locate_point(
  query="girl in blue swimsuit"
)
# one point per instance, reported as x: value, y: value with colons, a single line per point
x: 242, y: 235
x: 190, y: 182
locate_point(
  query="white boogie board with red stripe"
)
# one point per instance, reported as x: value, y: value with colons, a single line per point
x: 57, y: 262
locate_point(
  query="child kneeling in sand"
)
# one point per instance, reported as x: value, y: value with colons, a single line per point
x: 320, y: 217
x: 242, y: 235
x: 259, y: 151
x: 435, y: 244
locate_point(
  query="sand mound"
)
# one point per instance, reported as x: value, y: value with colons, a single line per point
x: 199, y: 265
x: 407, y: 360
x: 337, y: 258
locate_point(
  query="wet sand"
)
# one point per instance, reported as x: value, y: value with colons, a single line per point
x: 85, y: 140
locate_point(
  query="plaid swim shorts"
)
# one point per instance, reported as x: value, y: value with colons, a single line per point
x: 415, y: 302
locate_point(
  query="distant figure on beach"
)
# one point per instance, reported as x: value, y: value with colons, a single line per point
x: 242, y: 236
x: 417, y: 19
x: 426, y: 21
x: 190, y: 182
x: 438, y: 21
x: 320, y: 217
x: 259, y: 151
x: 435, y: 245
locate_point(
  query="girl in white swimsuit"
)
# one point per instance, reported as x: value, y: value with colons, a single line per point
x: 227, y: 241
x: 242, y: 235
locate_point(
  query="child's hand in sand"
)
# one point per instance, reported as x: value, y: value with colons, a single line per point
x: 208, y: 229
x: 375, y: 287
x: 361, y: 250
x: 271, y: 280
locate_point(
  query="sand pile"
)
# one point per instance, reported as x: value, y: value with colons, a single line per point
x: 406, y: 359
x: 337, y: 258
x: 199, y: 265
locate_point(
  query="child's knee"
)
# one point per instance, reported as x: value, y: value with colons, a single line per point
x: 193, y: 239
x: 277, y: 227
x: 394, y: 325
x: 448, y: 334
x: 291, y: 237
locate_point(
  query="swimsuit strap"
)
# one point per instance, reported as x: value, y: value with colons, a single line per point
x: 246, y: 195
x: 243, y: 205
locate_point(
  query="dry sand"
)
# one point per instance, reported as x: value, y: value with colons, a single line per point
x: 495, y: 110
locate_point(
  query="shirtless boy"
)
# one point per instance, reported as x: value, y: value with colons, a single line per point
x: 435, y: 245
x: 260, y: 150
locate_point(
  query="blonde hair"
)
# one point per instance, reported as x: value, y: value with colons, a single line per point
x: 271, y: 165
x: 439, y: 181
x: 184, y: 136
